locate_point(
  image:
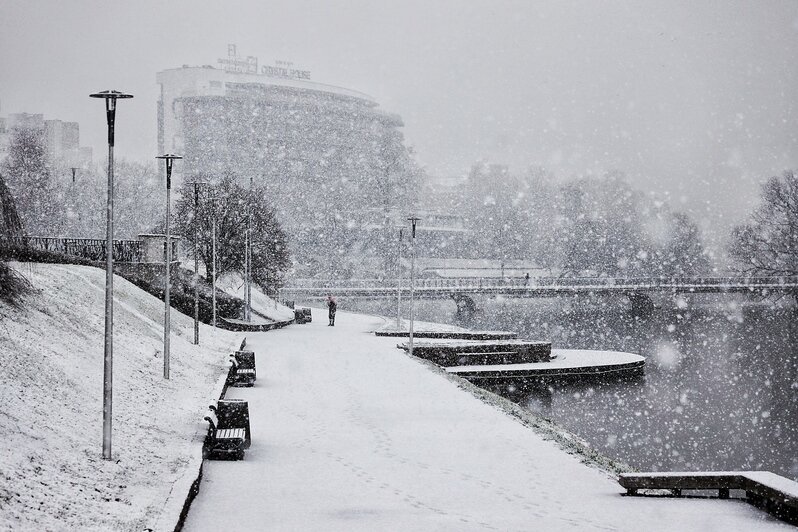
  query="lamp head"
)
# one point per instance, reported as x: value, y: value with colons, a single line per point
x: 413, y: 220
x: 169, y: 156
x: 110, y: 97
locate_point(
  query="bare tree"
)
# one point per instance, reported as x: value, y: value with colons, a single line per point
x: 228, y: 205
x: 767, y: 245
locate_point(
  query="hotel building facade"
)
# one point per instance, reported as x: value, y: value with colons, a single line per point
x: 328, y: 157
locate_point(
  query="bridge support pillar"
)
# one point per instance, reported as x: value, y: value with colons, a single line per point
x: 466, y: 308
x: 642, y: 304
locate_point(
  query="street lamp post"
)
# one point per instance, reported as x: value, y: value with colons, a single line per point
x: 110, y: 98
x: 213, y: 259
x: 248, y: 258
x: 413, y: 220
x: 399, y: 284
x: 169, y: 159
x: 196, y: 265
x: 501, y: 247
x: 196, y: 260
x: 71, y: 205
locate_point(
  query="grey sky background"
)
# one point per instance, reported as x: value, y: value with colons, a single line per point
x: 696, y: 99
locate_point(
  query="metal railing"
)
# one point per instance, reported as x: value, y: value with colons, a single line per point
x: 93, y: 249
x: 540, y: 283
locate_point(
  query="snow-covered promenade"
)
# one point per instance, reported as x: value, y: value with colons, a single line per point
x: 349, y: 433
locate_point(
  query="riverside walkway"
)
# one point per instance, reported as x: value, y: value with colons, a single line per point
x: 350, y: 433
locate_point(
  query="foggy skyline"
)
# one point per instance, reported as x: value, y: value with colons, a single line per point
x: 693, y: 98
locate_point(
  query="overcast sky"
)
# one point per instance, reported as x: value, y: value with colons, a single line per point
x: 696, y: 98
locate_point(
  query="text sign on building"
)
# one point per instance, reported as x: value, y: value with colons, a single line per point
x: 281, y: 69
x: 242, y: 66
x: 283, y: 72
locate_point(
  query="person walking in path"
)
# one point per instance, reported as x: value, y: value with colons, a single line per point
x: 332, y: 306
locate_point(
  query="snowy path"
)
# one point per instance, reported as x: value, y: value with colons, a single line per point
x: 349, y: 433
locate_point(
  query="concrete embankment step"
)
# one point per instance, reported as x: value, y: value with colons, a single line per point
x: 449, y: 353
x: 452, y: 335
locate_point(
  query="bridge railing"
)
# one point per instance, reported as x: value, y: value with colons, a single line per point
x: 521, y: 283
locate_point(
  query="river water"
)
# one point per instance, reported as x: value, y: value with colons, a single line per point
x: 721, y: 384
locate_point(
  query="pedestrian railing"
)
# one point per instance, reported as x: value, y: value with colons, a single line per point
x: 93, y: 249
x: 521, y: 284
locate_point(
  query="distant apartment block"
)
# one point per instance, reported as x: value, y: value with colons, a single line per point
x: 61, y: 139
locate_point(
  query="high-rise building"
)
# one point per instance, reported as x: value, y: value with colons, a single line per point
x: 329, y: 157
x: 311, y: 144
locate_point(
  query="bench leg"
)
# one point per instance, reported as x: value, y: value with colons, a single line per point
x: 676, y: 492
x: 631, y: 491
x: 723, y: 493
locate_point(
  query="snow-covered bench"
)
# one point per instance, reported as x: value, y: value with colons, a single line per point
x: 302, y: 315
x: 242, y: 369
x: 229, y: 430
x: 766, y: 490
x: 224, y: 441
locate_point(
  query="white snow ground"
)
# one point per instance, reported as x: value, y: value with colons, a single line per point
x: 349, y: 433
x: 52, y: 475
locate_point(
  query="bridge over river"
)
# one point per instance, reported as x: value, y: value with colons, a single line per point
x: 462, y: 290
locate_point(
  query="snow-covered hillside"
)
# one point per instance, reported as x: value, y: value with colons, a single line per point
x: 53, y: 476
x: 233, y: 284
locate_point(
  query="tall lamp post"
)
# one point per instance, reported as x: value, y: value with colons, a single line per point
x: 196, y: 260
x: 413, y: 220
x: 213, y: 255
x: 501, y: 247
x: 70, y: 204
x: 169, y: 159
x: 248, y: 258
x: 399, y: 284
x: 110, y: 98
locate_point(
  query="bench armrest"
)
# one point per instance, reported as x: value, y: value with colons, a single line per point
x: 212, y: 419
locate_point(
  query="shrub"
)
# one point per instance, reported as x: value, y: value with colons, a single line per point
x: 12, y: 285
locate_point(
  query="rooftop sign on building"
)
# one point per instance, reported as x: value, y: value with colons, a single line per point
x: 281, y: 69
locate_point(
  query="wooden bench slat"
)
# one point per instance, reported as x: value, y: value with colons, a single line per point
x: 230, y: 434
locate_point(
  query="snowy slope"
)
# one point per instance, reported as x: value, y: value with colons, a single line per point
x: 233, y: 284
x: 52, y: 475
